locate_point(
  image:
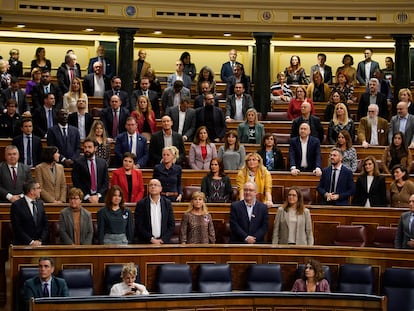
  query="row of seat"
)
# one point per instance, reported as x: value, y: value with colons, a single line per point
x: 397, y: 284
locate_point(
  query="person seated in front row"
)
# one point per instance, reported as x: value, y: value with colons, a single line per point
x: 128, y: 287
x: 312, y: 279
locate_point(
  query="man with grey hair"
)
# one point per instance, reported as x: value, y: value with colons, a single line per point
x: 373, y: 130
x: 374, y: 96
x: 67, y: 72
x: 336, y: 185
x: 402, y: 122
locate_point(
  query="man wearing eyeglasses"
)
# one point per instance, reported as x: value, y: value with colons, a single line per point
x: 249, y: 218
x: 28, y: 217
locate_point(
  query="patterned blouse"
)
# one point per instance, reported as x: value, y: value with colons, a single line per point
x: 197, y: 229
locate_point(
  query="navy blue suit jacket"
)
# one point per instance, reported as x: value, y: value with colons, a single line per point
x: 226, y: 71
x: 33, y: 288
x: 73, y: 120
x: 40, y: 126
x: 23, y: 226
x: 36, y: 148
x: 143, y: 228
x: 70, y: 148
x: 241, y: 226
x: 122, y: 146
x: 108, y: 118
x: 313, y: 153
x: 109, y: 69
x: 345, y: 186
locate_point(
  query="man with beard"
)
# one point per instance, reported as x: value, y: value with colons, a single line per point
x: 373, y: 130
x: 116, y: 84
x: 90, y: 173
x: 374, y: 96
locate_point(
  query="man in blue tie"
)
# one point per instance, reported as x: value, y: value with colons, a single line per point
x: 404, y: 237
x: 45, y: 284
x: 131, y: 141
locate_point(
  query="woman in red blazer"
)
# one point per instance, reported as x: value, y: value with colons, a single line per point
x: 129, y: 179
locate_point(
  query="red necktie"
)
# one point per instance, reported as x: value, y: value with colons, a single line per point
x: 115, y: 126
x: 93, y: 177
x: 72, y: 75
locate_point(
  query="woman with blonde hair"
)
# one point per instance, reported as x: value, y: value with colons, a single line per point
x: 293, y: 223
x: 169, y: 174
x: 70, y: 98
x: 36, y: 76
x: 254, y: 171
x: 98, y: 133
x: 340, y: 121
x: 404, y: 95
x: 197, y: 225
x: 251, y: 130
x: 145, y: 116
x: 128, y: 287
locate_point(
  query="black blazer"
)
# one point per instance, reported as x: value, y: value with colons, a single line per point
x: 122, y: 95
x: 381, y: 103
x: 73, y: 120
x: 315, y: 126
x: 108, y: 117
x: 81, y: 177
x: 313, y: 153
x: 216, y: 129
x: 278, y: 163
x: 63, y: 77
x: 89, y: 85
x: 38, y: 94
x: 70, y: 148
x: 40, y: 126
x: 189, y: 126
x: 36, y: 149
x: 143, y: 228
x: 240, y: 225
x: 22, y: 104
x: 157, y: 144
x: 23, y: 226
x: 376, y: 194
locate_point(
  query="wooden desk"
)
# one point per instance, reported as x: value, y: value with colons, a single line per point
x: 229, y: 301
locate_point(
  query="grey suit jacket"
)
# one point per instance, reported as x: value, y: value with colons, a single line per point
x: 327, y: 76
x: 186, y: 80
x: 403, y: 234
x: 189, y: 126
x: 6, y: 181
x: 361, y: 71
x: 303, y: 236
x: 247, y: 103
x: 66, y: 233
x: 395, y: 127
x: 167, y: 98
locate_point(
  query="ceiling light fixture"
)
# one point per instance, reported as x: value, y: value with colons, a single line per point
x: 157, y: 32
x: 21, y: 26
x: 368, y: 37
x: 297, y: 36
x: 89, y: 29
x: 227, y: 34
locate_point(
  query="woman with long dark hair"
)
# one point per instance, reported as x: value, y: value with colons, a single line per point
x: 272, y: 156
x: 216, y: 185
x: 396, y: 153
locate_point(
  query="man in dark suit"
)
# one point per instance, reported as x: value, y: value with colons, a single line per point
x: 238, y: 77
x: 29, y: 145
x: 173, y: 95
x: 107, y: 68
x: 98, y: 78
x: 143, y: 89
x: 306, y: 117
x: 158, y: 139
x: 379, y: 98
x: 66, y: 138
x: 115, y: 126
x: 131, y: 141
x: 249, y: 218
x: 10, y: 120
x: 362, y: 75
x: 16, y: 66
x: 404, y: 238
x: 407, y: 130
x: 162, y: 216
x: 90, y: 173
x: 82, y: 120
x: 28, y: 217
x: 336, y: 185
x: 187, y: 129
x: 116, y: 84
x: 46, y: 87
x: 14, y: 92
x: 45, y: 284
x: 211, y: 117
x: 238, y: 103
x: 12, y: 175
x: 45, y: 116
x: 67, y: 72
x: 324, y: 69
x: 227, y: 68
x: 179, y: 75
x: 199, y: 101
x: 305, y: 152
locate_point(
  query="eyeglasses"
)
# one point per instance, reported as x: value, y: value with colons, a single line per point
x: 309, y: 267
x: 371, y: 110
x: 248, y: 190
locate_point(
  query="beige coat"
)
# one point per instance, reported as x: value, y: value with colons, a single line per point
x: 304, y: 234
x: 52, y: 190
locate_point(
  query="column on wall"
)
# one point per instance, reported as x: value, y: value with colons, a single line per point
x: 262, y: 77
x: 402, y: 63
x: 126, y: 55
